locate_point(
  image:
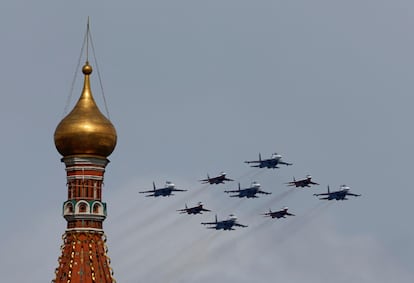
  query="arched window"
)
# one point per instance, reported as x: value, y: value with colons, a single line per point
x: 69, y: 208
x: 82, y: 207
x: 96, y: 208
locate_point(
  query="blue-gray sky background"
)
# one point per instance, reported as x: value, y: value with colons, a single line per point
x: 197, y: 87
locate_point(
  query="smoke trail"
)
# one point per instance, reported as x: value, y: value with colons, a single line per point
x: 196, y: 254
x: 150, y: 240
x: 135, y: 222
x: 196, y: 192
x: 278, y: 198
x: 246, y: 174
x: 128, y: 210
x: 300, y: 222
x: 257, y: 174
x: 236, y: 203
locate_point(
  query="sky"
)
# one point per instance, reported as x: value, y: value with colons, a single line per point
x: 196, y: 88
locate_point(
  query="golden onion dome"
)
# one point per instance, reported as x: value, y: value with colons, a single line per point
x: 85, y: 130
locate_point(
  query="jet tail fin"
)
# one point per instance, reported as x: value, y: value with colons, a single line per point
x: 153, y: 185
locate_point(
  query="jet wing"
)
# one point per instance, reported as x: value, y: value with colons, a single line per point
x: 227, y: 179
x: 178, y: 190
x: 209, y: 180
x: 208, y: 223
x: 144, y: 192
x: 322, y: 194
x: 285, y: 163
x: 269, y: 214
x: 239, y: 225
x: 232, y: 191
x: 274, y: 214
x: 263, y: 192
x: 355, y: 195
x: 253, y: 161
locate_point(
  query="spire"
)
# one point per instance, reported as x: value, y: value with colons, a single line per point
x: 88, y: 33
x: 85, y: 138
x: 85, y: 130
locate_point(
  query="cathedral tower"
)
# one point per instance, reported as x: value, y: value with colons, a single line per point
x: 84, y: 138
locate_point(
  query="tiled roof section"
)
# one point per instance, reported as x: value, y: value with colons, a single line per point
x: 84, y: 259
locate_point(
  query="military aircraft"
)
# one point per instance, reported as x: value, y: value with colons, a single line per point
x: 271, y: 162
x: 341, y: 194
x: 248, y: 192
x: 216, y: 180
x: 302, y: 182
x: 278, y: 214
x: 227, y: 224
x: 193, y: 210
x: 165, y: 192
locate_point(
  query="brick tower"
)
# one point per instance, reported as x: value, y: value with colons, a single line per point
x: 84, y: 138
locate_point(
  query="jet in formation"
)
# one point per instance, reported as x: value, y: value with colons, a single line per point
x: 220, y: 179
x: 227, y: 224
x: 248, y: 192
x: 165, y: 191
x: 270, y: 163
x: 198, y: 209
x: 307, y: 182
x: 278, y: 214
x: 341, y: 194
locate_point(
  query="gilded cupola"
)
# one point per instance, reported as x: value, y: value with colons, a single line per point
x: 85, y: 130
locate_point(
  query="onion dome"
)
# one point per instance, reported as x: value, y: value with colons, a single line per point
x: 85, y: 130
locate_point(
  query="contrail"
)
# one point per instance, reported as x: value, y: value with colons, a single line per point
x: 137, y: 220
x: 278, y: 198
x: 295, y: 225
x: 195, y: 254
x: 130, y: 209
x: 149, y: 237
x: 236, y: 203
x: 195, y: 192
x: 246, y: 174
x: 257, y: 174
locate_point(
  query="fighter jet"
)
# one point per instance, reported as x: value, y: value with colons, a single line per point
x: 227, y: 224
x: 272, y: 162
x: 193, y: 210
x: 165, y: 192
x: 303, y: 182
x: 248, y: 192
x: 341, y: 194
x: 216, y: 180
x: 278, y: 214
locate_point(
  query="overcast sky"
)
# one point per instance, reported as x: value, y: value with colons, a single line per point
x: 197, y: 87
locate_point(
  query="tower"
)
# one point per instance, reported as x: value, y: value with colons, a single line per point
x: 84, y: 138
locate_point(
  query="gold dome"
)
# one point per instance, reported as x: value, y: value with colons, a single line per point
x: 85, y: 130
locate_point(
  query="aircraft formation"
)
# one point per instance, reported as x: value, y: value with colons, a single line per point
x: 249, y: 192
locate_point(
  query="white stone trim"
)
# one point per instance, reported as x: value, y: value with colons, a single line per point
x: 85, y: 177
